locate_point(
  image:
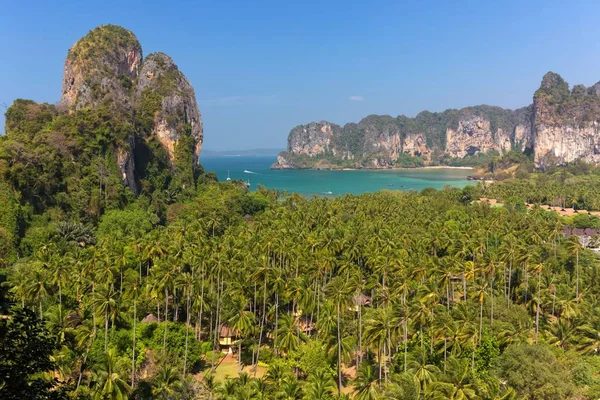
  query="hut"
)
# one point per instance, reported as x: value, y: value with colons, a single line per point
x: 305, y: 325
x: 587, y: 237
x: 149, y: 319
x: 227, y: 338
x: 361, y: 300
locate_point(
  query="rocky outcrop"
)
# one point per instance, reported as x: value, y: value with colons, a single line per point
x: 472, y: 136
x: 566, y: 122
x: 313, y: 139
x: 386, y: 142
x: 178, y: 109
x: 106, y: 68
x: 415, y: 145
x: 101, y: 66
x: 562, y: 126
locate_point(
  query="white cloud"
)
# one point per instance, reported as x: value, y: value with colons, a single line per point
x: 239, y: 100
x: 356, y: 98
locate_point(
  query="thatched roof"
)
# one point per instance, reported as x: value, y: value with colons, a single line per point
x: 362, y: 300
x: 304, y: 324
x: 73, y: 320
x: 568, y: 231
x: 226, y: 331
x: 150, y: 318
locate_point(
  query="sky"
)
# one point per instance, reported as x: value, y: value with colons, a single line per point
x: 259, y: 68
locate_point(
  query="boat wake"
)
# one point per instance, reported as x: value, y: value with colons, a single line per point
x: 250, y: 172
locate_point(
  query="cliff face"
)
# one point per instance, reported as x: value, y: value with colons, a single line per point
x: 566, y: 122
x: 562, y: 126
x: 178, y: 108
x: 103, y: 65
x: 151, y: 96
x: 385, y: 141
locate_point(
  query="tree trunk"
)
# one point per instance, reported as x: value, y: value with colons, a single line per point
x: 339, y: 355
x: 105, y: 329
x: 492, y: 303
x: 577, y: 276
x: 509, y: 284
x: 187, y: 329
x: 166, y: 319
x: 133, y: 351
x: 262, y: 325
x: 537, y: 311
x: 480, y: 320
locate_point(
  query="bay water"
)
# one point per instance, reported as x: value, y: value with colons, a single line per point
x: 256, y: 170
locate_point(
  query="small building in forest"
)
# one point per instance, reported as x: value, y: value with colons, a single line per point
x: 150, y: 318
x: 305, y: 325
x: 588, y: 237
x: 227, y: 338
x: 361, y: 300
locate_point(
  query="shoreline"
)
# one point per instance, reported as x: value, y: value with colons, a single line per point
x: 388, y: 169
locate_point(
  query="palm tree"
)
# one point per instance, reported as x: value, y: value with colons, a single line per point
x: 289, y: 334
x: 108, y: 382
x: 37, y: 289
x: 60, y: 271
x: 186, y: 280
x: 320, y: 386
x: 457, y: 383
x: 340, y: 293
x: 165, y: 384
x: 424, y: 374
x: 290, y: 389
x: 134, y: 291
x: 366, y: 383
x: 241, y: 322
x: 106, y: 306
x: 574, y: 248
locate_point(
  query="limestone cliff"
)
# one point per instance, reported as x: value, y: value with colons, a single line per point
x: 150, y: 96
x: 562, y: 126
x: 178, y: 108
x: 566, y: 122
x: 386, y: 142
x: 103, y: 65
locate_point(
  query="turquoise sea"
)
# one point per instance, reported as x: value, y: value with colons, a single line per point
x: 330, y: 183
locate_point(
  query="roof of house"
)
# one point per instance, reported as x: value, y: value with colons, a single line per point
x: 226, y: 331
x: 362, y: 300
x: 149, y: 319
x: 568, y: 231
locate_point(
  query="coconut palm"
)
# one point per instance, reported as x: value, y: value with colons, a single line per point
x: 107, y: 381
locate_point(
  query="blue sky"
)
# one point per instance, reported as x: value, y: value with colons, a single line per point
x: 260, y: 68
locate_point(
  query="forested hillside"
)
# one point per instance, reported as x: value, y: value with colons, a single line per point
x: 387, y: 295
x: 127, y: 271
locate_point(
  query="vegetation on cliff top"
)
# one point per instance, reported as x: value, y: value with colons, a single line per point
x: 575, y: 106
x: 102, y: 41
x: 357, y: 139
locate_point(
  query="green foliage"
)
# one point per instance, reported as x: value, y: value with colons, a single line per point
x: 570, y: 186
x: 25, y: 351
x: 486, y: 354
x: 150, y: 103
x: 580, y: 104
x: 99, y: 41
x: 8, y: 225
x: 183, y: 161
x: 535, y: 372
x: 125, y: 225
x: 407, y: 161
x: 311, y: 357
x: 25, y: 118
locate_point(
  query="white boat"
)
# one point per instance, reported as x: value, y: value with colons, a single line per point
x: 330, y: 192
x: 228, y: 178
x: 247, y: 172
